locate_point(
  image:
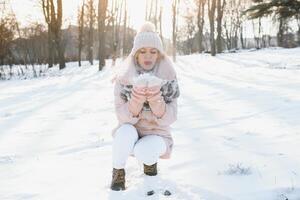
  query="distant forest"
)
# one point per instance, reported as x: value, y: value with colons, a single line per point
x: 104, y: 30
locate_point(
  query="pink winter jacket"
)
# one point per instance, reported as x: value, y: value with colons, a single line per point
x: 147, y: 123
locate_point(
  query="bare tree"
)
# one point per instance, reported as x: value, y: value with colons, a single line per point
x: 32, y: 40
x: 200, y: 22
x: 232, y: 23
x: 22, y: 48
x: 80, y: 31
x: 6, y: 38
x: 57, y: 23
x: 298, y: 32
x: 147, y: 7
x: 119, y: 21
x: 53, y: 17
x: 160, y: 23
x: 102, y: 9
x: 189, y: 30
x: 115, y: 19
x: 257, y: 31
x: 154, y: 13
x: 149, y: 10
x: 220, y: 11
x: 111, y: 22
x: 91, y: 20
x: 175, y: 11
x: 36, y: 40
x: 47, y: 15
x: 8, y: 27
x: 211, y: 4
x: 124, y: 29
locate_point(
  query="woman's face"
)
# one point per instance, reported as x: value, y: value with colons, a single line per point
x: 147, y: 57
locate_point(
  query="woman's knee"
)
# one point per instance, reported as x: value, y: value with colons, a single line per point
x: 124, y: 140
x: 144, y: 155
x: 149, y: 149
x: 126, y: 131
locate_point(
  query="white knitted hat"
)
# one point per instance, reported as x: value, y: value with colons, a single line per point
x: 147, y: 37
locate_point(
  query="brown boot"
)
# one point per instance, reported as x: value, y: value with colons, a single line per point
x: 150, y: 170
x: 118, y: 180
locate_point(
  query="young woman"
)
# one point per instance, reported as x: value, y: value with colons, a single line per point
x: 145, y: 112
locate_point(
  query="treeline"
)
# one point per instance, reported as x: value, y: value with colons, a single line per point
x: 217, y: 25
x: 33, y: 48
x: 104, y: 29
x: 49, y: 43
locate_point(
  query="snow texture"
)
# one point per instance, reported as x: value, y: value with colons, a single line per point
x: 237, y: 136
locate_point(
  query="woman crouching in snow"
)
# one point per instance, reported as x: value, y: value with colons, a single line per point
x: 146, y: 92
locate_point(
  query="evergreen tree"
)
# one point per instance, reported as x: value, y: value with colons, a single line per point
x: 281, y: 9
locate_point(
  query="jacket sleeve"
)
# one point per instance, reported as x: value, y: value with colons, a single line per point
x: 121, y: 108
x: 170, y: 114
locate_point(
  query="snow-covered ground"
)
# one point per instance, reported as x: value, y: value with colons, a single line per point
x: 237, y: 136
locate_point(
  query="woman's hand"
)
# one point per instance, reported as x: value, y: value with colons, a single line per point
x: 139, y: 94
x: 138, y: 97
x: 156, y: 101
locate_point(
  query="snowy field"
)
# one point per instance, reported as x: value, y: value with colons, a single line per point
x: 237, y: 136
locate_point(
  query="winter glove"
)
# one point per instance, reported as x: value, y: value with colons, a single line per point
x: 136, y: 102
x: 156, y: 101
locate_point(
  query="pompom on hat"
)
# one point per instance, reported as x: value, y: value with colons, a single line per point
x: 147, y: 37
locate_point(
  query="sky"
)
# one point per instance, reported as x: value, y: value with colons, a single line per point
x: 28, y: 11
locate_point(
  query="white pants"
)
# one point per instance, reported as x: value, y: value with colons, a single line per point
x: 147, y: 149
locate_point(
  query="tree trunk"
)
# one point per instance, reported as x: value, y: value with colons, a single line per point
x: 280, y: 33
x: 50, y: 48
x: 80, y: 32
x: 102, y: 7
x: 150, y: 11
x: 259, y: 33
x: 227, y: 41
x: 60, y: 52
x: 242, y: 37
x: 156, y: 13
x: 220, y: 11
x: 146, y: 13
x: 235, y: 39
x: 119, y: 27
x: 113, y: 28
x: 59, y: 45
x: 298, y: 32
x: 47, y: 15
x: 124, y: 31
x: 211, y: 14
x: 298, y: 35
x: 160, y: 24
x: 174, y: 26
x: 91, y: 32
x: 54, y: 20
x: 200, y: 23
